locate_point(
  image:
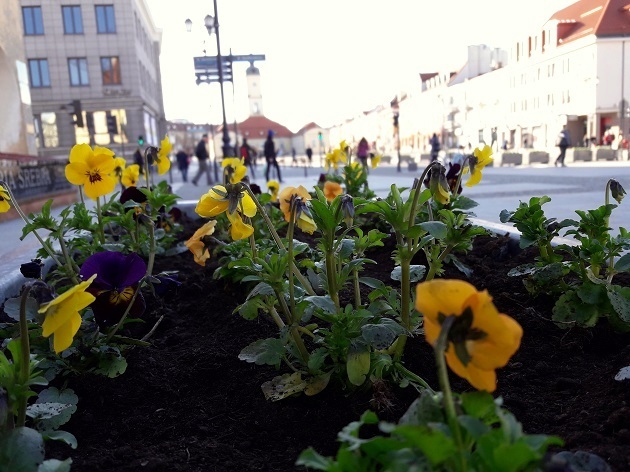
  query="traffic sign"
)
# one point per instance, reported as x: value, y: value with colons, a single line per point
x: 246, y: 57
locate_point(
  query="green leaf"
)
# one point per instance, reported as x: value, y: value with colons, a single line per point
x: 323, y: 302
x: 264, y: 352
x: 591, y: 293
x: 317, y: 358
x: 425, y: 409
x: 569, y: 310
x: 513, y: 457
x: 371, y: 282
x: 12, y: 308
x: 358, y: 363
x: 55, y: 465
x: 620, y: 299
x: 475, y: 427
x: 112, y: 366
x: 310, y: 458
x: 478, y: 404
x: 283, y: 386
x: 623, y: 263
x: 21, y: 450
x: 437, y: 229
x: 437, y: 446
x: 416, y: 273
x: 382, y: 334
x: 316, y: 384
x: 63, y: 436
x: 578, y: 461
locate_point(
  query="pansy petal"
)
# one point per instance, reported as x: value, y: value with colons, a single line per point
x: 101, y: 187
x: 65, y: 334
x: 478, y: 378
x: 442, y: 296
x: 249, y: 207
x: 80, y: 153
x: 77, y: 173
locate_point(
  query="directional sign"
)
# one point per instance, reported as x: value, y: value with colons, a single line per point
x: 246, y: 57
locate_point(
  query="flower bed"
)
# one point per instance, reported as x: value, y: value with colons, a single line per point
x: 188, y: 403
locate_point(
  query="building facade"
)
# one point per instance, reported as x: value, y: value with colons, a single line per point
x: 17, y: 132
x: 574, y: 70
x: 94, y: 74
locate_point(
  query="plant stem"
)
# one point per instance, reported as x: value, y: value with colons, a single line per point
x: 433, y: 269
x: 135, y: 294
x: 295, y: 334
x: 25, y: 356
x: 405, y: 299
x: 275, y: 316
x: 72, y: 272
x: 412, y: 376
x: 357, y: 288
x: 290, y: 256
x: 44, y: 244
x: 449, y: 405
x: 611, y: 261
x: 99, y: 219
x: 305, y: 283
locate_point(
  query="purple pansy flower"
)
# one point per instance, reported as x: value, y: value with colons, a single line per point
x: 117, y: 279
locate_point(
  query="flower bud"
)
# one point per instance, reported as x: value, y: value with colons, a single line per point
x: 33, y: 269
x: 616, y: 190
x: 347, y: 207
x: 439, y: 185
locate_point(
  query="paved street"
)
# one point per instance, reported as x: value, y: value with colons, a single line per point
x: 579, y: 186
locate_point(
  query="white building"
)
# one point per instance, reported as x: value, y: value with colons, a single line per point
x: 574, y: 70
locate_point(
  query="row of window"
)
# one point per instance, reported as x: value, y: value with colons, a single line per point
x: 33, y: 21
x: 77, y: 71
x: 534, y: 103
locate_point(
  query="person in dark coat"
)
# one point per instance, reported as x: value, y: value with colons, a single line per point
x: 309, y: 156
x: 247, y: 154
x: 182, y: 163
x: 435, y: 147
x: 270, y: 156
x: 202, y: 156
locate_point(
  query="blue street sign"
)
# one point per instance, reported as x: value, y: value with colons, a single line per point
x: 246, y: 57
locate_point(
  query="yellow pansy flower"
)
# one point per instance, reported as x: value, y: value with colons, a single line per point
x: 92, y: 169
x: 239, y: 229
x: 4, y: 200
x: 480, y: 340
x: 304, y: 220
x: 331, y: 190
x: 375, y: 161
x: 197, y: 246
x: 274, y: 187
x: 62, y: 314
x: 235, y: 168
x: 162, y: 161
x: 480, y: 159
x: 131, y: 175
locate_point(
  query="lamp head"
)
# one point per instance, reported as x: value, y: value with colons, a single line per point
x: 188, y: 24
x: 208, y: 21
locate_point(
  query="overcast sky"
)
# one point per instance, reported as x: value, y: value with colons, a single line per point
x: 327, y: 60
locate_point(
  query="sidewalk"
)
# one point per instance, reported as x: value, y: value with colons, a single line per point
x: 580, y: 186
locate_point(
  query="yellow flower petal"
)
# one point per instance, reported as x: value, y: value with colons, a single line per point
x: 332, y: 190
x: 238, y: 229
x: 442, y: 296
x: 98, y: 188
x: 65, y: 333
x: 80, y: 153
x: 478, y: 378
x: 212, y: 204
x: 77, y: 172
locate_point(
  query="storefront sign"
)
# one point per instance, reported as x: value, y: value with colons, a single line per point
x: 32, y: 177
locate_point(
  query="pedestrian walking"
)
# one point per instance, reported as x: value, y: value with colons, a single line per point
x: 137, y: 159
x: 435, y: 147
x: 294, y: 161
x: 183, y: 160
x: 617, y: 148
x: 309, y: 156
x: 246, y: 153
x: 270, y: 156
x: 563, y: 142
x: 201, y: 152
x: 363, y: 150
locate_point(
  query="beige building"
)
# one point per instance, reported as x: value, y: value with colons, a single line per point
x: 17, y: 135
x: 94, y: 74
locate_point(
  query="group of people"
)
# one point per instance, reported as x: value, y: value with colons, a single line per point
x: 245, y: 152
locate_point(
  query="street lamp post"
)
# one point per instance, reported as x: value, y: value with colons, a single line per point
x: 212, y: 23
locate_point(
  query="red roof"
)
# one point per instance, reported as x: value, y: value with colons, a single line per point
x: 257, y: 127
x: 598, y: 17
x: 308, y: 126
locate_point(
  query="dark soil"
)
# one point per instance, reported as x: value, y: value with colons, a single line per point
x: 188, y: 404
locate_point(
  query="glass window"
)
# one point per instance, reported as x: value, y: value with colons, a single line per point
x: 72, y: 19
x: 105, y: 19
x: 110, y: 67
x: 77, y: 68
x: 32, y: 19
x: 46, y: 128
x: 38, y: 71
